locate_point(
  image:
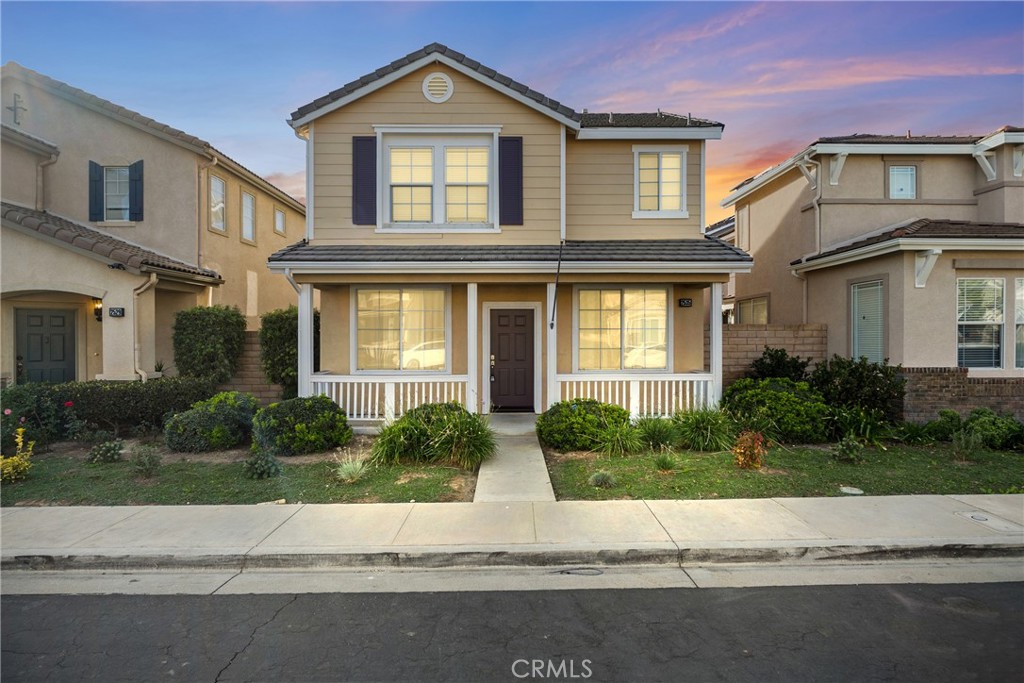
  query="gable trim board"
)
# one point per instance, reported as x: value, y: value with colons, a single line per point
x: 900, y: 244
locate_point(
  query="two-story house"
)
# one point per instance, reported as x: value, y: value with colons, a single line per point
x: 474, y: 240
x: 909, y: 248
x: 113, y: 222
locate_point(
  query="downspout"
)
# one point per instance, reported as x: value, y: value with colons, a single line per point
x: 40, y: 203
x: 136, y: 293
x: 816, y: 203
x: 291, y: 280
x: 558, y: 272
x: 803, y: 281
x: 213, y: 159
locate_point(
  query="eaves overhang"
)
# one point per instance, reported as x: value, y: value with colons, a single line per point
x: 506, y: 267
x: 896, y: 245
x: 662, y: 133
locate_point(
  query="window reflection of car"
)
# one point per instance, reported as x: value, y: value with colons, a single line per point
x: 651, y: 356
x: 426, y: 356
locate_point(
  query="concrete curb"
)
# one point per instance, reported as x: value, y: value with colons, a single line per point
x: 684, y: 557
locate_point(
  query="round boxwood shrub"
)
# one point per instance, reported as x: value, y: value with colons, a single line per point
x: 300, y: 425
x: 789, y: 411
x: 576, y: 425
x: 208, y: 341
x: 221, y: 422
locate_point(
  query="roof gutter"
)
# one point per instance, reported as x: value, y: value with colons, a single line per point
x: 911, y: 244
x: 505, y: 267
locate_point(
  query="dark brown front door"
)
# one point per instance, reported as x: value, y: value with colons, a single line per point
x: 511, y: 359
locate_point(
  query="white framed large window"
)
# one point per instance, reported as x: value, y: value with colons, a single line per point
x: 622, y: 328
x: 115, y: 193
x: 979, y: 317
x: 439, y: 179
x: 401, y: 329
x: 1019, y: 320
x: 659, y: 182
x: 867, y: 313
x: 218, y: 200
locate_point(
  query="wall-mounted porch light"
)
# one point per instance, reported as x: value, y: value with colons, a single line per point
x: 97, y: 309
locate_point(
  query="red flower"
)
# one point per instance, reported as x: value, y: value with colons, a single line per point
x: 68, y: 404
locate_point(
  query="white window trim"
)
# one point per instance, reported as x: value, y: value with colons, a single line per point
x: 439, y: 137
x: 1002, y: 333
x: 669, y: 331
x: 241, y: 218
x: 1018, y: 285
x: 890, y: 168
x: 127, y: 197
x: 855, y: 341
x: 682, y: 150
x: 354, y: 332
x: 284, y: 221
x: 224, y: 200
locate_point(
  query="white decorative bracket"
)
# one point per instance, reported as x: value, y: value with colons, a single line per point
x: 1018, y: 161
x: 836, y: 167
x: 811, y: 180
x: 924, y: 261
x: 985, y: 161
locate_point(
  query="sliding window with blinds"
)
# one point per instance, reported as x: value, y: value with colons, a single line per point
x: 979, y: 317
x: 868, y: 321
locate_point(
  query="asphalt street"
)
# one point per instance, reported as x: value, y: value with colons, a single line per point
x: 909, y: 632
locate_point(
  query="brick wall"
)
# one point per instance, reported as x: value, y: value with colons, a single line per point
x: 249, y: 377
x: 930, y: 390
x: 742, y: 344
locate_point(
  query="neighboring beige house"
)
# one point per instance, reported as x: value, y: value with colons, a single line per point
x: 473, y: 240
x: 725, y: 230
x: 908, y: 248
x: 113, y: 222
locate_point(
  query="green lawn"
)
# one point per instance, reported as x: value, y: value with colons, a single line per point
x: 64, y: 480
x: 791, y: 471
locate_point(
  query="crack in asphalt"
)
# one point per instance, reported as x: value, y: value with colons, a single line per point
x: 252, y: 637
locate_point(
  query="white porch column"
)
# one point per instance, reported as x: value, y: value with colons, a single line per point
x: 472, y: 344
x: 715, y: 320
x: 551, y: 365
x: 305, y: 340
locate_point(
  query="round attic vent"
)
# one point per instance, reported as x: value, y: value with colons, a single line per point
x: 437, y: 87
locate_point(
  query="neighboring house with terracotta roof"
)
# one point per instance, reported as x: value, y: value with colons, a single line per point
x: 112, y: 222
x: 472, y: 239
x: 908, y: 248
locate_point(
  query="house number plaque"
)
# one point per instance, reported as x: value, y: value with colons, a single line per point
x: 685, y: 303
x: 115, y: 312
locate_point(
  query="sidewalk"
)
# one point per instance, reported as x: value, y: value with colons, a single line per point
x: 684, y: 533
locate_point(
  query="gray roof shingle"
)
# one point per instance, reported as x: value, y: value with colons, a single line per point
x: 927, y: 228
x: 872, y: 139
x: 653, y: 251
x: 659, y: 119
x: 107, y: 246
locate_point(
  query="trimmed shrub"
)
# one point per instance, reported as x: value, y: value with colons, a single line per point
x: 704, y: 429
x: 262, y: 465
x: 997, y: 432
x: 576, y: 425
x: 300, y: 425
x: 866, y: 425
x: 279, y: 344
x: 874, y: 387
x: 436, y: 432
x: 656, y: 433
x: 796, y: 413
x: 778, y: 363
x: 945, y: 426
x: 119, y: 406
x: 33, y: 408
x: 218, y: 423
x: 108, y: 451
x: 208, y: 342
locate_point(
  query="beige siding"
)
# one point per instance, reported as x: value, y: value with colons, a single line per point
x: 402, y: 102
x: 599, y: 192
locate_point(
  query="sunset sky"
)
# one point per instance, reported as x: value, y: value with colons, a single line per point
x: 777, y: 74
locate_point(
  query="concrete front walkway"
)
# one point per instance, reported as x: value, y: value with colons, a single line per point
x: 517, y: 472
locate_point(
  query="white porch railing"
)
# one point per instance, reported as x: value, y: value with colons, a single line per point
x: 385, y: 397
x: 642, y: 395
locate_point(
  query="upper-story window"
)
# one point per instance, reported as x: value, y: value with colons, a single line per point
x: 248, y: 217
x: 437, y: 181
x: 279, y: 222
x: 115, y: 192
x: 659, y: 182
x: 218, y: 202
x: 903, y: 182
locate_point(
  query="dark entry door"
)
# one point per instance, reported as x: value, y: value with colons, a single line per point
x: 45, y: 346
x: 512, y: 359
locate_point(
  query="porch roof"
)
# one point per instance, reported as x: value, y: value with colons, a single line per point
x: 695, y: 252
x: 121, y: 252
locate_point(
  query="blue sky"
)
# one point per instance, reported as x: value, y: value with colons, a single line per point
x: 777, y: 74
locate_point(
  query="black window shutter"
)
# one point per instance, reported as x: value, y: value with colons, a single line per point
x: 95, y: 191
x: 510, y: 180
x: 135, y: 191
x: 364, y: 180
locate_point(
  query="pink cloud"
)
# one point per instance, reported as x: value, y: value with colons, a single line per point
x: 292, y: 183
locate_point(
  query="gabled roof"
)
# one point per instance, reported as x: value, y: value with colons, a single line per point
x: 103, y: 245
x: 144, y: 123
x: 26, y: 141
x: 657, y: 254
x: 722, y: 227
x: 927, y: 230
x: 436, y: 52
x: 873, y: 139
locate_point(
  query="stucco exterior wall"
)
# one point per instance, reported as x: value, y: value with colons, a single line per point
x: 18, y: 174
x: 599, y: 192
x: 403, y: 102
